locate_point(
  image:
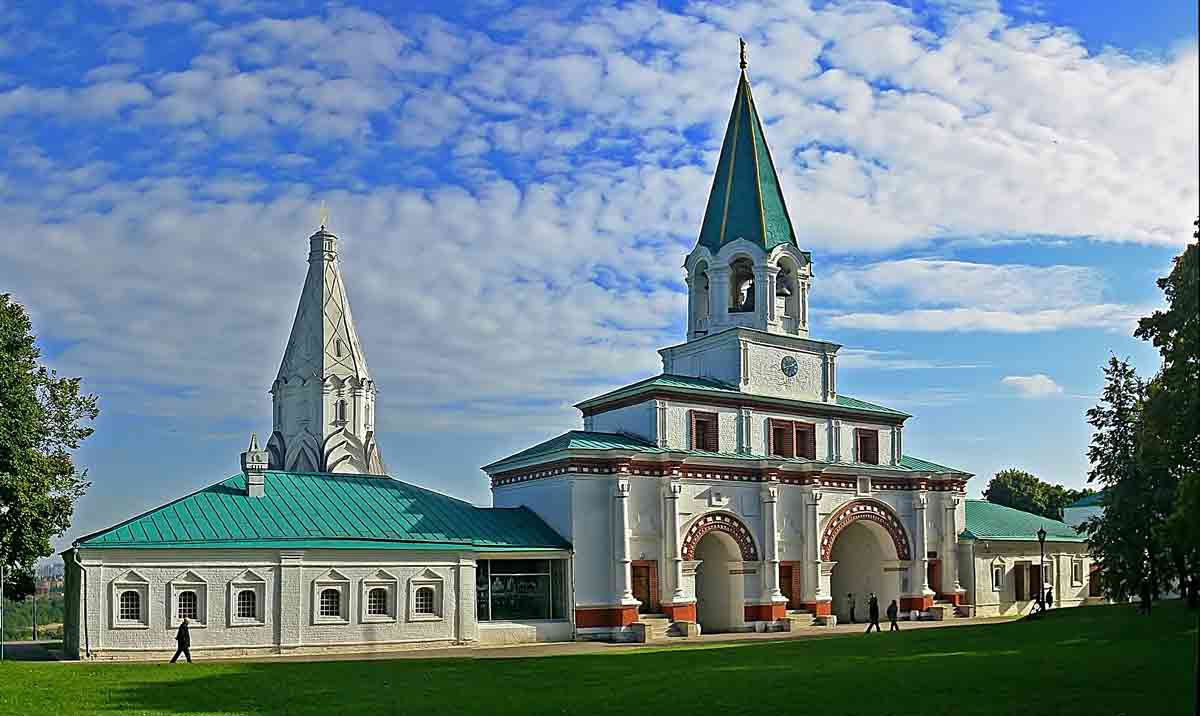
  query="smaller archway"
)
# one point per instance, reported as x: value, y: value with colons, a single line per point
x: 720, y: 585
x: 741, y: 286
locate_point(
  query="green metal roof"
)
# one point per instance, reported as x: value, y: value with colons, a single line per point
x: 702, y: 386
x: 328, y: 510
x: 586, y: 440
x: 986, y: 520
x: 1094, y: 500
x: 746, y: 200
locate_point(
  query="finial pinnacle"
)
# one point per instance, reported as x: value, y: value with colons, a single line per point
x: 324, y: 214
x: 742, y: 53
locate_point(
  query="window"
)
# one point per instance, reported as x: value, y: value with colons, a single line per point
x: 868, y: 445
x: 188, y: 607
x: 367, y: 416
x: 339, y: 411
x: 247, y: 604
x: 705, y: 435
x: 788, y: 438
x: 806, y: 440
x: 1077, y: 572
x: 521, y: 589
x: 997, y: 578
x: 330, y: 604
x: 377, y: 602
x: 130, y: 606
x: 741, y: 286
x: 782, y: 438
x: 423, y: 601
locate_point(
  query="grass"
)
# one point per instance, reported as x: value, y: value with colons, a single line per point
x: 1092, y: 660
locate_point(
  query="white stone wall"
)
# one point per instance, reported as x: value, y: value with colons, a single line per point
x: 640, y: 420
x: 764, y: 375
x: 976, y: 560
x: 288, y: 622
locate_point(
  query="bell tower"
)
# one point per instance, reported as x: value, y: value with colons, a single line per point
x: 747, y: 269
x: 323, y: 398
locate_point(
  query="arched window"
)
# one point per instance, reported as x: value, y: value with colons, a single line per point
x: 337, y: 348
x: 129, y: 607
x: 377, y: 602
x: 188, y: 606
x: 339, y: 411
x: 423, y: 601
x: 367, y: 416
x: 741, y: 286
x: 247, y: 604
x: 331, y: 603
x: 700, y: 287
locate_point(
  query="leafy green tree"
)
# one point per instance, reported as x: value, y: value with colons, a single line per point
x: 42, y: 419
x: 1171, y: 445
x: 1125, y: 538
x: 1022, y: 490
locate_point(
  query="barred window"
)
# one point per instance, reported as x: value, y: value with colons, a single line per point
x: 188, y: 605
x: 331, y: 603
x: 130, y: 606
x: 423, y: 601
x: 247, y: 604
x: 377, y: 602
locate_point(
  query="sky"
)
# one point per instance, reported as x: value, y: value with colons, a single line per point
x: 989, y: 192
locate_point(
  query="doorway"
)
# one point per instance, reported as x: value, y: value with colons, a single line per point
x: 720, y: 586
x: 644, y: 575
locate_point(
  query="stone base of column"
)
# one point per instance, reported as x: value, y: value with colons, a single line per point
x: 920, y: 603
x: 766, y: 612
x: 605, y: 616
x: 819, y: 608
x: 956, y: 598
x: 680, y: 611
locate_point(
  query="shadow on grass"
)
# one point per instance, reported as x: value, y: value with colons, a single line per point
x: 1097, y: 660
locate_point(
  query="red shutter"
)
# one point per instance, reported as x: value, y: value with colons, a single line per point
x: 785, y: 447
x: 705, y: 434
x: 806, y: 440
x: 712, y: 436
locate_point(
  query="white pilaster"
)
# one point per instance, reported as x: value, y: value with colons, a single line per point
x: 921, y: 558
x: 624, y: 576
x: 770, y: 501
x: 810, y: 585
x: 672, y: 540
x: 950, y: 546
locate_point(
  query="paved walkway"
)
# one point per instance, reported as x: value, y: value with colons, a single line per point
x: 595, y: 647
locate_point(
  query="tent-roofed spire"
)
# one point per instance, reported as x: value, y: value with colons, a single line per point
x: 746, y: 199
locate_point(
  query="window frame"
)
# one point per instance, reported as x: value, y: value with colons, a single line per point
x: 859, y: 435
x: 998, y: 586
x: 713, y: 431
x: 247, y: 581
x: 189, y: 581
x: 379, y: 580
x: 1077, y: 567
x: 335, y: 580
x: 130, y: 581
x: 427, y: 578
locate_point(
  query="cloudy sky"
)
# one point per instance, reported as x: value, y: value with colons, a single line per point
x: 989, y: 192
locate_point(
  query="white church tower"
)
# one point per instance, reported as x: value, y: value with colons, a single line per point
x: 323, y: 397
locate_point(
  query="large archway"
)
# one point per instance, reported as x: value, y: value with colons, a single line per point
x: 867, y: 544
x: 720, y: 585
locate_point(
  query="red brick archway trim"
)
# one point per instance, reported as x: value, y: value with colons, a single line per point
x: 720, y: 522
x: 870, y: 510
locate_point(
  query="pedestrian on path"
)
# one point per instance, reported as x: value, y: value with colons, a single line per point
x: 184, y: 638
x: 873, y: 611
x: 892, y: 612
x: 850, y: 596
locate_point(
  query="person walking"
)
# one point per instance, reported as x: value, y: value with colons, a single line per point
x: 873, y: 612
x: 184, y: 638
x: 850, y: 597
x: 892, y: 612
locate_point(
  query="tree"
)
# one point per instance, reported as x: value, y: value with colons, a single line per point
x: 1022, y: 490
x: 1124, y: 539
x: 1172, y: 423
x: 42, y: 419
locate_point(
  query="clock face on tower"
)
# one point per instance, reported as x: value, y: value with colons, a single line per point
x: 789, y: 366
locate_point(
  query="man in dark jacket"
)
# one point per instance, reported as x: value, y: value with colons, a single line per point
x: 892, y: 612
x: 184, y: 639
x: 873, y: 611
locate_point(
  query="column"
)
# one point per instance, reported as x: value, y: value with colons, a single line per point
x: 770, y: 500
x: 718, y: 297
x: 744, y: 418
x: 624, y: 577
x: 466, y: 624
x: 921, y: 546
x: 810, y: 587
x: 952, y: 586
x: 772, y: 274
x: 289, y: 627
x: 672, y: 539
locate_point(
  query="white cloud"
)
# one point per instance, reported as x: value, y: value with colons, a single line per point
x: 1038, y: 385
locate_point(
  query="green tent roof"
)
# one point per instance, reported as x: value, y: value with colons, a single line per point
x: 746, y: 200
x: 986, y: 520
x: 328, y: 510
x: 593, y: 441
x: 705, y: 386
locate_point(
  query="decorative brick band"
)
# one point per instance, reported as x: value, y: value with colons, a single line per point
x: 870, y: 510
x: 725, y: 522
x: 765, y: 612
x: 605, y: 617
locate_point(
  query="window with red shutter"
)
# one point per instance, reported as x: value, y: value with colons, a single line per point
x: 705, y: 434
x: 868, y: 446
x: 782, y: 438
x: 806, y: 440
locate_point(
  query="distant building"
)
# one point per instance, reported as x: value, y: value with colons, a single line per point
x: 1083, y: 509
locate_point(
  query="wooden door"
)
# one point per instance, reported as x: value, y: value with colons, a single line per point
x: 645, y: 585
x: 785, y: 585
x: 1019, y: 587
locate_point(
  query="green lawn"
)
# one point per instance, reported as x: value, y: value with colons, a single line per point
x: 1088, y: 661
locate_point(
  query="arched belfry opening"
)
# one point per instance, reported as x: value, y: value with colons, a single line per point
x: 701, y: 288
x: 789, y: 309
x: 741, y: 286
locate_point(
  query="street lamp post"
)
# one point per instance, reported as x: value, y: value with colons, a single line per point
x: 1041, y: 535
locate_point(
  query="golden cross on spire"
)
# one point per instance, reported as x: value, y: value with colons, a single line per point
x: 324, y: 214
x: 742, y: 52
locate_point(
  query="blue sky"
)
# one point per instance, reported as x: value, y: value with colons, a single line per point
x: 989, y: 192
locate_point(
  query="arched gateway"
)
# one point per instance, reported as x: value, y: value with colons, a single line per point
x: 721, y: 544
x: 866, y: 543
